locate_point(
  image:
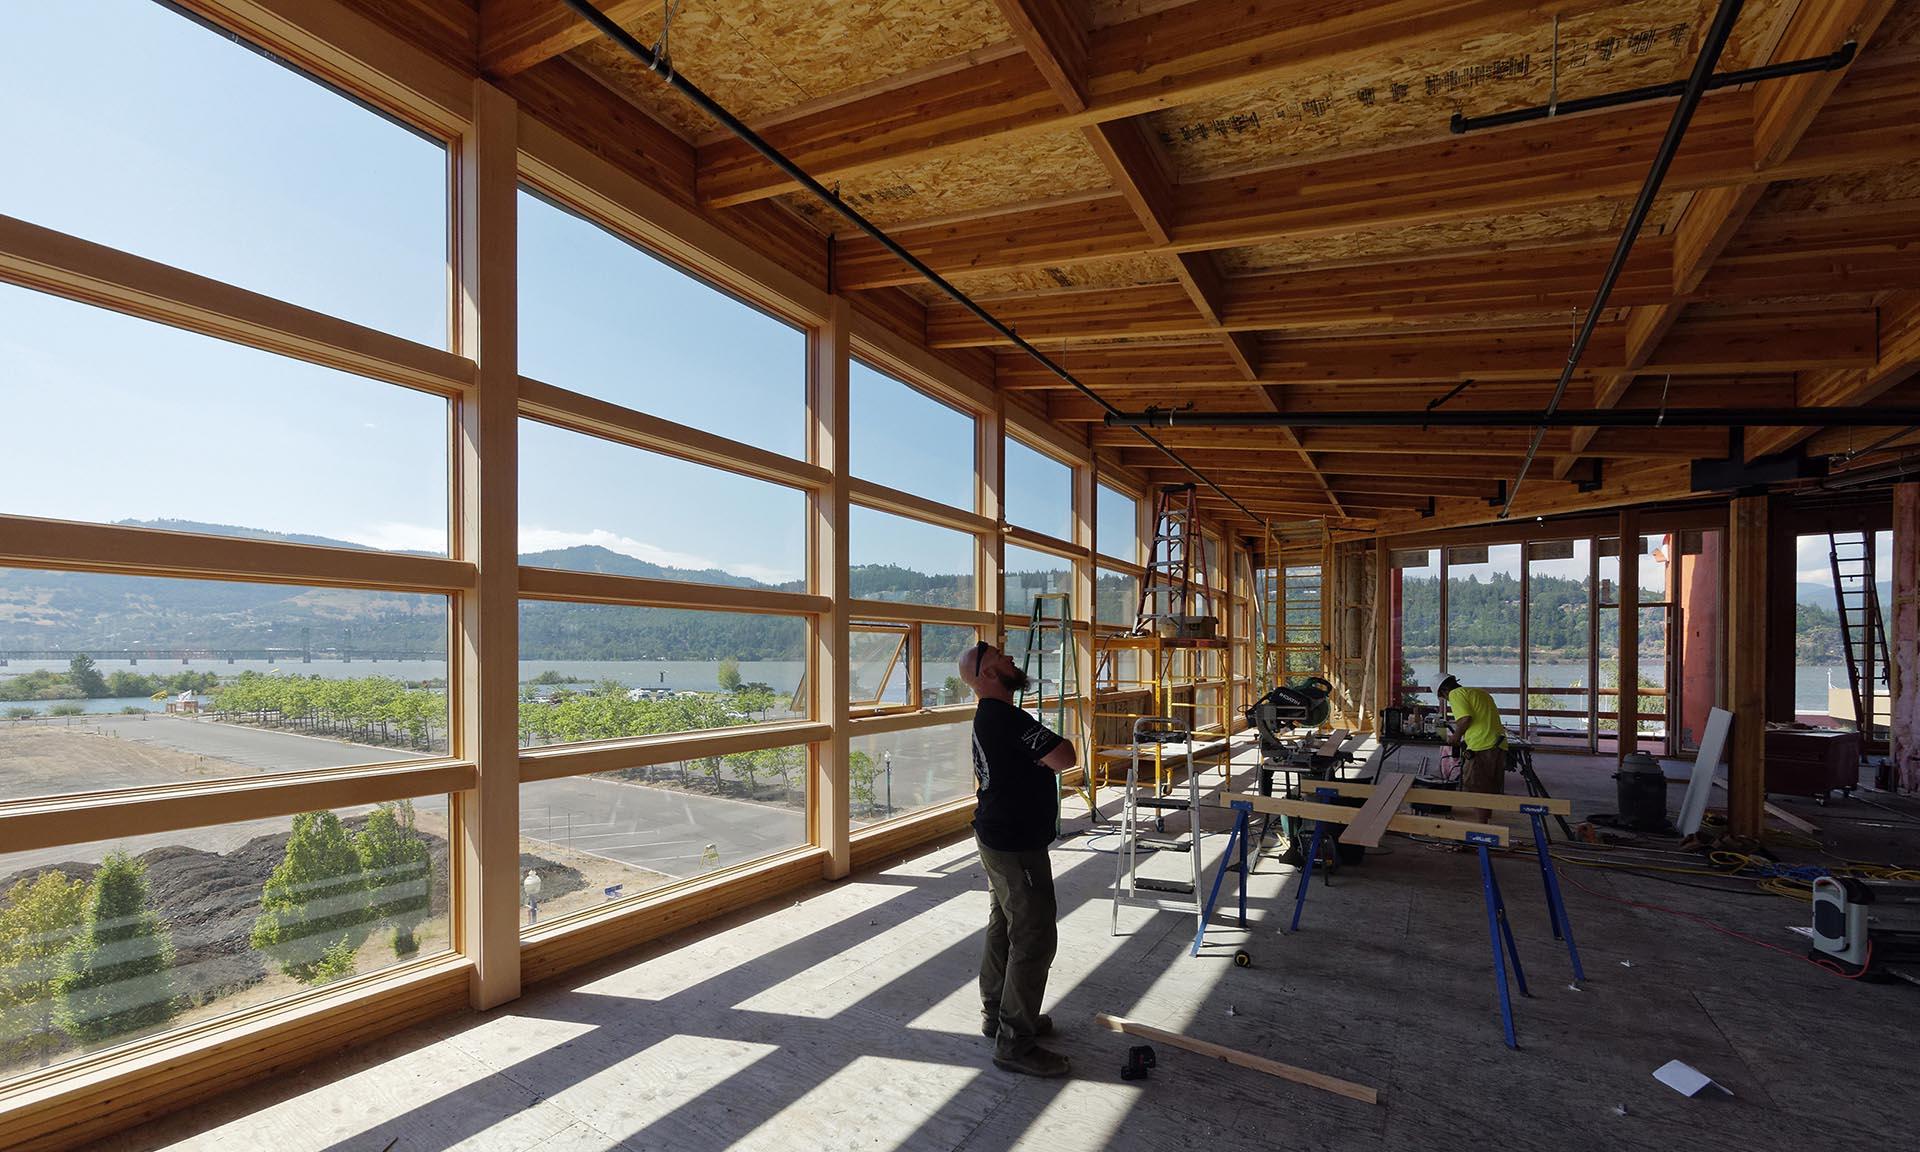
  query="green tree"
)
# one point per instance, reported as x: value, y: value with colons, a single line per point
x: 861, y: 771
x: 729, y: 674
x: 119, y: 971
x: 398, y: 869
x: 315, y: 900
x: 37, y: 926
x: 83, y: 675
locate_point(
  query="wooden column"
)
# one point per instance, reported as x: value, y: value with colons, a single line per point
x: 1085, y: 507
x: 828, y: 813
x: 990, y: 476
x: 1629, y: 597
x: 486, y: 529
x: 1746, y: 662
x: 1384, y: 685
x: 1904, y: 637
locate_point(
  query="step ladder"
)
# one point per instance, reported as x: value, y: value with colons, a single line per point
x: 1051, y: 622
x: 1128, y: 886
x: 1175, y: 588
x: 1863, y: 634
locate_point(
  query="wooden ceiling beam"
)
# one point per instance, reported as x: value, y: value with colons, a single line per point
x: 1783, y: 111
x: 1159, y: 60
x: 515, y: 35
x: 1873, y: 121
x: 1480, y: 292
x: 1384, y: 463
x: 1896, y: 365
x: 1054, y: 36
x: 1684, y: 443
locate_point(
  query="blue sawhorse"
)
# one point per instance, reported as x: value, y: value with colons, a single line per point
x: 1242, y: 810
x: 1556, y: 903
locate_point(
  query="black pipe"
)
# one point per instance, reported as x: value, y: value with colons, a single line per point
x: 1832, y: 62
x: 1527, y: 418
x: 664, y: 69
x: 1716, y: 43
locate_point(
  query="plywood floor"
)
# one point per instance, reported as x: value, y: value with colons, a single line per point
x: 846, y: 1020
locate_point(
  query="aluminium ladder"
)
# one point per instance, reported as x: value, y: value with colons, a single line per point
x: 1128, y: 886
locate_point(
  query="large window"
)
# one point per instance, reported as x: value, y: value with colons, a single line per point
x: 140, y: 681
x: 1414, y: 599
x: 907, y: 561
x: 178, y: 144
x: 589, y: 840
x: 1483, y: 621
x: 898, y: 772
x: 905, y: 439
x: 592, y: 505
x: 601, y: 316
x: 1116, y: 524
x: 105, y: 942
x: 192, y: 433
x: 1028, y: 574
x: 607, y: 672
x: 1559, y: 640
x: 1039, y: 491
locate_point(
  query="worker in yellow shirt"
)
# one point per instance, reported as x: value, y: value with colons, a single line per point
x: 1478, y: 739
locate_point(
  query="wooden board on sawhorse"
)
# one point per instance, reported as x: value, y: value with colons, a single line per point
x: 1370, y: 823
x: 1481, y: 837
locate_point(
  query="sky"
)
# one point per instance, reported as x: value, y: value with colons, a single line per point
x: 175, y: 144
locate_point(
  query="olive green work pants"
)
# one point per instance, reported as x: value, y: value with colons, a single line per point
x: 1021, y: 939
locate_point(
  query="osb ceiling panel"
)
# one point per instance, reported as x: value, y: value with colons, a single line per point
x: 1121, y: 272
x: 1394, y: 97
x: 1014, y: 171
x: 1901, y: 182
x: 758, y: 57
x: 1512, y: 230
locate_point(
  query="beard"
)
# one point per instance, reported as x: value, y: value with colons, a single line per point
x: 1014, y: 681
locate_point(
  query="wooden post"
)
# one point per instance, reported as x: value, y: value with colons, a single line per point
x: 1385, y: 687
x: 990, y: 477
x: 1629, y: 598
x: 1746, y: 662
x: 828, y: 812
x: 486, y: 528
x: 1904, y: 636
x: 1085, y: 577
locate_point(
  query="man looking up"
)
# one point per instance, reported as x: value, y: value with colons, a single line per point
x: 1479, y: 739
x: 1014, y: 761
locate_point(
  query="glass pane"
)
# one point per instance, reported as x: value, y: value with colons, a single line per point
x: 191, y: 433
x: 1116, y: 524
x: 1415, y: 589
x: 877, y: 665
x: 1027, y: 573
x: 908, y: 561
x: 601, y: 316
x: 1039, y: 491
x: 1116, y: 598
x: 610, y: 671
x: 1559, y: 614
x: 1483, y: 622
x: 941, y: 646
x: 590, y: 840
x: 113, y: 940
x: 1047, y: 665
x: 141, y: 681
x: 175, y: 143
x: 591, y: 505
x: 898, y: 772
x: 905, y: 439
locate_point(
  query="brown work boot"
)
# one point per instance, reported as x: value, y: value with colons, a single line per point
x: 1035, y: 1061
x: 990, y: 1024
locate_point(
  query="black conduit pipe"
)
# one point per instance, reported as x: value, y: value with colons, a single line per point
x: 1716, y: 43
x: 1527, y: 418
x: 664, y: 69
x: 1832, y: 62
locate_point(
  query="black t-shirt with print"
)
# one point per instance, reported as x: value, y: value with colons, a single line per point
x: 1019, y: 801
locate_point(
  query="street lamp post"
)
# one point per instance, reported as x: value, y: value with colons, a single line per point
x: 888, y: 758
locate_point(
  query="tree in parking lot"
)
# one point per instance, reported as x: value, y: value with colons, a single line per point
x: 37, y: 926
x: 118, y: 976
x: 398, y: 870
x: 315, y: 903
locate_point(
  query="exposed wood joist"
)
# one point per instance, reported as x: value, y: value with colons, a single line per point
x: 515, y: 35
x: 1896, y: 365
x: 1054, y: 35
x: 1872, y: 120
x: 1155, y: 61
x: 1686, y: 443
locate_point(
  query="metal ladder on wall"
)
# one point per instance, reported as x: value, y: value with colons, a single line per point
x: 1058, y: 626
x: 1176, y: 580
x: 1863, y: 634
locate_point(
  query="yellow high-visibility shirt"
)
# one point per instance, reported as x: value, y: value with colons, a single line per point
x: 1484, y: 729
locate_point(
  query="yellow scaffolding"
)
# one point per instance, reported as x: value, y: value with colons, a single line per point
x: 1145, y: 676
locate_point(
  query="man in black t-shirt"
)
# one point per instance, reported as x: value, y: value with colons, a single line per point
x: 1014, y: 761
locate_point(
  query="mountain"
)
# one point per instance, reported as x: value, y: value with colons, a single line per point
x: 1821, y: 595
